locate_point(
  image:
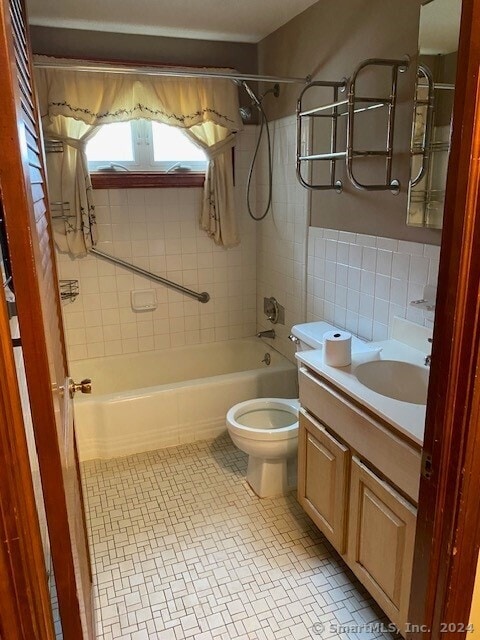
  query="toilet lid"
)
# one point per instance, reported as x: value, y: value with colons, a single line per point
x: 268, y: 418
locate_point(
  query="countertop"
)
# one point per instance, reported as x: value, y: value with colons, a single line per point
x: 406, y: 418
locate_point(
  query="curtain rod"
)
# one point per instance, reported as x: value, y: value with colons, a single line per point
x: 163, y: 71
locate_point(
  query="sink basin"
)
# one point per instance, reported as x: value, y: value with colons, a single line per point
x: 395, y: 379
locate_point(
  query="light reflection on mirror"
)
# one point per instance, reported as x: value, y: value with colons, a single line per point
x: 430, y: 144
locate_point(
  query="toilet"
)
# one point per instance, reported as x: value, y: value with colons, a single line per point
x: 267, y: 428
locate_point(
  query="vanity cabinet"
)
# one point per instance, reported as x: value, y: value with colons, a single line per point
x: 358, y: 481
x: 322, y: 479
x: 381, y: 536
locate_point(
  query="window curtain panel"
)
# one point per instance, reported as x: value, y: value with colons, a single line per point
x: 207, y: 108
x: 217, y: 217
x: 70, y: 188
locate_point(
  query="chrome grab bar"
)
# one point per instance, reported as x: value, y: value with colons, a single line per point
x: 201, y: 297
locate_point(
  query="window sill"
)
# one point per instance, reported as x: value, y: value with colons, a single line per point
x: 139, y: 180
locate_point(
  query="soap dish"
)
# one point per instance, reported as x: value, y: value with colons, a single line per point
x: 144, y: 300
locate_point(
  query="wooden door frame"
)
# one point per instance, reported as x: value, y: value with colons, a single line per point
x: 448, y: 534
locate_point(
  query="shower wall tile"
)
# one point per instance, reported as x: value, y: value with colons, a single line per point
x: 157, y: 230
x: 360, y: 282
x: 282, y: 235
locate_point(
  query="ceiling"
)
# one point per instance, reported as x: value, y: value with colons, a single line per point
x: 230, y: 20
x: 440, y: 26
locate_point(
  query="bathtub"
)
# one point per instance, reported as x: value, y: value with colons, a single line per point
x: 146, y: 401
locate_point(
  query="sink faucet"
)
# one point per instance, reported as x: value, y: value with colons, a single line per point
x: 269, y: 333
x: 428, y: 358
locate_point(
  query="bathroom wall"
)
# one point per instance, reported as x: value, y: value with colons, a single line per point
x: 79, y: 43
x: 281, y: 236
x: 328, y: 44
x: 157, y: 229
x: 360, y: 282
x: 101, y: 45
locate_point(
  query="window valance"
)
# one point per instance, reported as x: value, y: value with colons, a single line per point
x: 102, y: 98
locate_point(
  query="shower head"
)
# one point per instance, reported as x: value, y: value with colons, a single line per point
x: 246, y: 113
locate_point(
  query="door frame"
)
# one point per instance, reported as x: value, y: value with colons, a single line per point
x: 448, y: 534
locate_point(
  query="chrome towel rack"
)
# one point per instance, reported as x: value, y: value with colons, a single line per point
x: 333, y: 155
x: 203, y: 297
x: 423, y: 104
x: 353, y: 104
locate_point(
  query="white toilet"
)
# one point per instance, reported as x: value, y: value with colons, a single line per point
x: 267, y: 428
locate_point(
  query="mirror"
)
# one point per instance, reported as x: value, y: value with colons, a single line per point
x: 432, y: 114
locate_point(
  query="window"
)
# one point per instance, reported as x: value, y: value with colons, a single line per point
x: 124, y: 152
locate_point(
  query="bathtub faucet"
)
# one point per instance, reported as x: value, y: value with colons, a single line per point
x: 270, y: 333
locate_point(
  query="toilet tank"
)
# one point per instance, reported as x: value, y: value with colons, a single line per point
x: 310, y: 335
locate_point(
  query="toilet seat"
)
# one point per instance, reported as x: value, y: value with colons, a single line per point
x: 272, y: 418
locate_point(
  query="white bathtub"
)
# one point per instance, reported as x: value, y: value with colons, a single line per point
x: 148, y: 401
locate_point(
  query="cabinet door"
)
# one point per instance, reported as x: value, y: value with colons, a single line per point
x: 381, y: 539
x: 323, y: 479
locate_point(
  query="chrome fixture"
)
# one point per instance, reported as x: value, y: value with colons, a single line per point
x: 201, y: 297
x: 264, y: 126
x: 269, y: 333
x: 246, y: 113
x: 85, y: 386
x: 69, y: 289
x: 293, y: 339
x: 271, y: 309
x: 267, y: 358
x: 428, y: 358
x: 274, y: 311
x: 173, y: 72
x: 397, y: 66
x: 349, y: 107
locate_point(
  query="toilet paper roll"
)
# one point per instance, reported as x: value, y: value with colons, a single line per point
x: 337, y: 348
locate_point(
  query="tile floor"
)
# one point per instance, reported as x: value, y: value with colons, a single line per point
x: 182, y: 548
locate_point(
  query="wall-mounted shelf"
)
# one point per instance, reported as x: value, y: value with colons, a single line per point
x: 350, y: 108
x: 69, y: 290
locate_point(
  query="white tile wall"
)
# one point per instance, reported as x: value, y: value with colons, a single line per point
x: 157, y: 229
x: 352, y: 280
x: 361, y: 282
x: 281, y: 236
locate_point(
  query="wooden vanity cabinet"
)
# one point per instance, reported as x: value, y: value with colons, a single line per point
x: 343, y: 486
x: 381, y: 537
x: 323, y: 479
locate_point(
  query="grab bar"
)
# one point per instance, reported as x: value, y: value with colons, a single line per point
x: 201, y: 297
